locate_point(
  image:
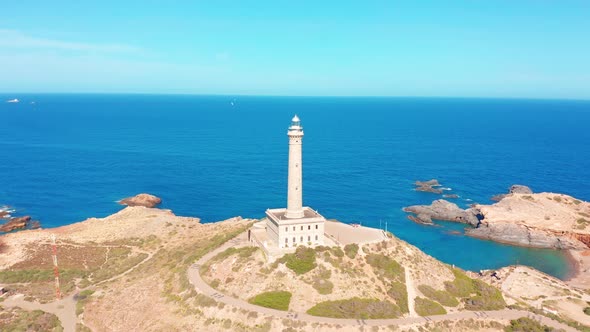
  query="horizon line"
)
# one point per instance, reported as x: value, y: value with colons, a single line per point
x: 291, y: 96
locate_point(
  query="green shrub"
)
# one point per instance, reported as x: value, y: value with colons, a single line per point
x: 337, y: 252
x: 275, y: 300
x: 426, y: 307
x: 399, y: 293
x: 462, y: 286
x: 587, y: 311
x: 386, y: 267
x: 351, y: 250
x: 323, y: 286
x: 487, y: 298
x: 476, y: 294
x: 356, y: 308
x: 525, y: 324
x: 302, y: 261
x: 443, y: 297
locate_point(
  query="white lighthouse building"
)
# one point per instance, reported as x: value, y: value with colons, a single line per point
x: 296, y: 225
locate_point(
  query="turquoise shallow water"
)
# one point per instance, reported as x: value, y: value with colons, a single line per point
x: 69, y: 157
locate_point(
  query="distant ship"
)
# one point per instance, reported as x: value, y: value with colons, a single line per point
x: 13, y: 100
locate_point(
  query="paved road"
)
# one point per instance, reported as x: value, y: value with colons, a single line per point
x: 202, y: 287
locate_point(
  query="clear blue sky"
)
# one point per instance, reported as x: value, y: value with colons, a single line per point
x: 495, y: 48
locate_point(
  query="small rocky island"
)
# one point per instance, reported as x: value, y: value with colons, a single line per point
x: 145, y: 200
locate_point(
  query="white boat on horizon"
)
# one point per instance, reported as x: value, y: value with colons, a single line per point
x: 13, y: 100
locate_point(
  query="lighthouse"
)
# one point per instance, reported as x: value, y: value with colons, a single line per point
x: 295, y: 188
x: 297, y: 224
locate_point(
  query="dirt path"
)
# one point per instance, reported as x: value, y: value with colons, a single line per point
x: 411, y: 293
x: 65, y: 309
x: 202, y: 287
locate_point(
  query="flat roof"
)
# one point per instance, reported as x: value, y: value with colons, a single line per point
x: 309, y: 215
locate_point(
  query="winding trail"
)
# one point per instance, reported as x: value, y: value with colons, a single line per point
x: 201, y: 286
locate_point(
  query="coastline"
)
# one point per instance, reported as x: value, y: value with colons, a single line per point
x: 580, y: 262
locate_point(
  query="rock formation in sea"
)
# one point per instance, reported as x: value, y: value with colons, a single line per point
x: 450, y: 196
x: 442, y: 210
x: 514, y: 189
x: 15, y: 223
x: 428, y: 186
x: 145, y: 200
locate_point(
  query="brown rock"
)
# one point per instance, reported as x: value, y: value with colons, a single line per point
x: 15, y: 223
x: 146, y: 200
x: 3, y: 214
x: 451, y: 196
x: 428, y: 186
x: 443, y: 210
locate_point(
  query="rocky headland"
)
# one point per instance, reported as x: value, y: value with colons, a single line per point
x: 542, y: 220
x: 145, y: 200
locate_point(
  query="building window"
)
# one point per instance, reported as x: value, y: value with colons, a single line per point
x: 308, y: 227
x: 293, y: 228
x: 301, y: 227
x: 308, y: 238
x: 302, y: 239
x: 286, y: 240
x: 286, y: 229
x: 316, y: 226
x: 316, y: 237
x: 293, y: 239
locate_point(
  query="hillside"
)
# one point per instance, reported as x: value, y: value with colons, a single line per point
x: 130, y: 271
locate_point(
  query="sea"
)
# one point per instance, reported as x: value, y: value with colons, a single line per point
x: 68, y: 157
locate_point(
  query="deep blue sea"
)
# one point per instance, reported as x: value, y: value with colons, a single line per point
x: 69, y: 157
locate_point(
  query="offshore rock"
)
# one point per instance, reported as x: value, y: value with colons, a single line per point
x: 443, y: 210
x: 145, y: 200
x: 428, y: 186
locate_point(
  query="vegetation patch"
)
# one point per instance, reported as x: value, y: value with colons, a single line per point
x: 243, y: 252
x: 302, y: 261
x: 15, y: 319
x: 356, y: 308
x: 525, y: 324
x: 351, y: 250
x: 476, y: 294
x: 82, y: 298
x: 426, y: 307
x: 321, y: 281
x: 275, y: 300
x: 443, y: 297
x: 386, y: 267
x: 337, y: 252
x: 399, y: 293
x: 587, y: 311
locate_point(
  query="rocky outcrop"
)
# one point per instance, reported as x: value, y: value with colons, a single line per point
x: 146, y: 200
x: 15, y: 223
x: 522, y: 235
x: 514, y: 189
x: 451, y: 196
x: 428, y: 186
x: 3, y: 214
x: 443, y: 210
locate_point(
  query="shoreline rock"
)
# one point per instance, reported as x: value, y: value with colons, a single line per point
x: 443, y: 210
x: 514, y: 189
x: 145, y: 200
x: 15, y: 223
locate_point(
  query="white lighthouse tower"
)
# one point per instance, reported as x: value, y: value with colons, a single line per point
x: 295, y: 189
x: 297, y: 224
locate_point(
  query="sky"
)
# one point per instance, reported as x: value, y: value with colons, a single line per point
x: 458, y: 48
